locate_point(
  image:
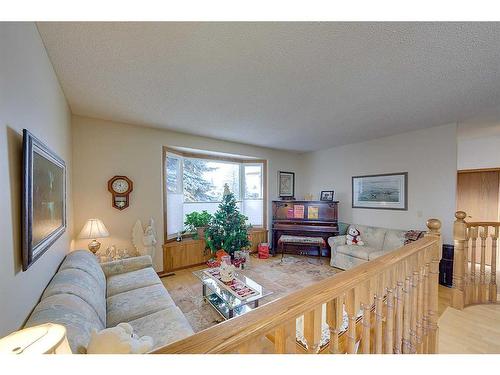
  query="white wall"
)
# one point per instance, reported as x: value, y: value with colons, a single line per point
x: 430, y: 158
x: 103, y: 149
x: 31, y: 98
x: 479, y: 145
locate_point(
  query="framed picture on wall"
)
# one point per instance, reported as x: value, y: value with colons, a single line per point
x: 44, y: 198
x: 326, y: 195
x: 384, y: 191
x: 286, y: 185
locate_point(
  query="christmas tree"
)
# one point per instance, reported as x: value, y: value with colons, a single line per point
x: 227, y: 229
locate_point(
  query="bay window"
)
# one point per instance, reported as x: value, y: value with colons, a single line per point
x: 196, y: 183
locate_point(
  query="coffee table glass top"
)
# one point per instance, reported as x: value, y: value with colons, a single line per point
x: 230, y: 299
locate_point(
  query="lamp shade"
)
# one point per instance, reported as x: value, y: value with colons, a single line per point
x: 94, y: 228
x: 46, y: 338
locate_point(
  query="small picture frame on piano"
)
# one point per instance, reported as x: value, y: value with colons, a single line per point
x: 326, y: 195
x: 286, y: 185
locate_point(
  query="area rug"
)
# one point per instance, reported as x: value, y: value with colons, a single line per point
x: 276, y: 276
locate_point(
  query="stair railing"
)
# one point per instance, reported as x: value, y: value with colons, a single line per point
x: 387, y: 305
x: 474, y: 262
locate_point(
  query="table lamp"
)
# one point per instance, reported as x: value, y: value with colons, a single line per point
x: 94, y: 228
x: 45, y: 338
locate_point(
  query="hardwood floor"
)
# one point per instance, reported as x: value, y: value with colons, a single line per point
x: 473, y: 330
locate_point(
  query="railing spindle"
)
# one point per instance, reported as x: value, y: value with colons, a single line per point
x: 434, y: 256
x: 473, y: 284
x: 389, y: 324
x: 425, y: 312
x: 379, y: 314
x: 493, y: 277
x: 414, y: 312
x: 420, y: 307
x: 482, y: 268
x: 406, y: 315
x: 459, y: 266
x: 352, y: 307
x: 433, y: 302
x: 284, y: 338
x: 334, y: 318
x: 465, y: 269
x: 366, y: 305
x: 312, y: 329
x: 398, y: 333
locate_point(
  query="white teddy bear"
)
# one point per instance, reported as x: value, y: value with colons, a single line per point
x: 354, y: 237
x: 118, y: 340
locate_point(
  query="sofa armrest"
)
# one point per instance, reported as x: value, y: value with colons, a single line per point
x: 336, y: 241
x: 116, y: 267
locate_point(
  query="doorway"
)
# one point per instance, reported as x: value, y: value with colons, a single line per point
x: 478, y: 192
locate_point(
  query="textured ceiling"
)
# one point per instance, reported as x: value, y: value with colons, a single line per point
x: 296, y: 86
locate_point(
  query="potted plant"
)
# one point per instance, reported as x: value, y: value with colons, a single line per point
x: 228, y: 229
x: 197, y: 222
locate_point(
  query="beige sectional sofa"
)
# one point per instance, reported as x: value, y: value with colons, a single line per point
x: 377, y: 242
x: 85, y: 295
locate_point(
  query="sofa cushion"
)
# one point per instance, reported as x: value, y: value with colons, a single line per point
x: 361, y: 252
x: 81, y: 284
x: 116, y: 267
x: 377, y: 254
x: 124, y: 282
x: 394, y: 239
x: 164, y: 326
x: 86, y: 261
x: 137, y: 303
x: 371, y: 236
x: 346, y: 262
x: 71, y: 311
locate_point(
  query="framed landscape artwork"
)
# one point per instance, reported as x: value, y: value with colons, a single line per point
x: 44, y: 198
x: 383, y: 191
x: 286, y: 185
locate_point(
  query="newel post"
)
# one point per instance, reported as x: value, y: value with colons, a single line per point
x: 459, y: 236
x: 434, y: 226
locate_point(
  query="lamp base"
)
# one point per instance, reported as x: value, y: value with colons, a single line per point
x: 94, y: 246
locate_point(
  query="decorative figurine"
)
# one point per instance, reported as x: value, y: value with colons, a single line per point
x: 144, y: 240
x: 226, y: 272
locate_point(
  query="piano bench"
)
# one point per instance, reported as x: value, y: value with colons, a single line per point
x: 300, y: 240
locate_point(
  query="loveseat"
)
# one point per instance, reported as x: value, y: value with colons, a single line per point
x: 377, y: 242
x: 85, y: 295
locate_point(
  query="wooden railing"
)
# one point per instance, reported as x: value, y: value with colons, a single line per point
x: 390, y: 305
x: 474, y: 262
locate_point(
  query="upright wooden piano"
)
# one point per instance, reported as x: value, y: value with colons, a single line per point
x: 304, y: 218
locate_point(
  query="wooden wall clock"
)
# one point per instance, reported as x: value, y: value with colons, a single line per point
x: 120, y: 188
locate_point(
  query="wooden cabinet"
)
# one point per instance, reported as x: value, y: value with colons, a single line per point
x: 184, y: 254
x: 190, y: 252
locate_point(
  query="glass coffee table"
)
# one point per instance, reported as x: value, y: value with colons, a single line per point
x: 226, y: 303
